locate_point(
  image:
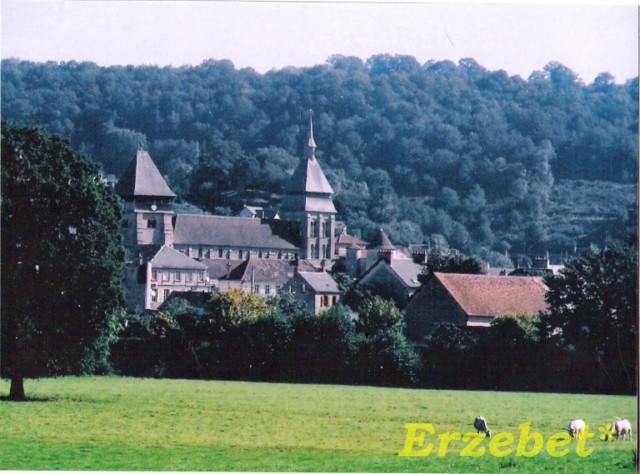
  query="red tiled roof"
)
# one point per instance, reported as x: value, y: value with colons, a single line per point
x: 481, y: 295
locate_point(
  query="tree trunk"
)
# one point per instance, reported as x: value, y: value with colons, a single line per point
x: 16, y: 392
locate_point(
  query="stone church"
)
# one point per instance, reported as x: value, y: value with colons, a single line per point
x: 171, y: 252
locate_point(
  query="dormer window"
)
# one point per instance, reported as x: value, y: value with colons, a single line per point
x: 151, y: 223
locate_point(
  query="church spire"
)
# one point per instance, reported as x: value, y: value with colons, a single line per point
x: 312, y: 143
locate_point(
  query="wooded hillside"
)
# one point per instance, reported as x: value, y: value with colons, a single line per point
x: 453, y: 154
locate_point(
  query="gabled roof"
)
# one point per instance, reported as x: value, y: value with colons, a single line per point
x: 171, y: 258
x: 237, y: 232
x: 481, y: 295
x: 408, y: 271
x: 141, y: 178
x: 218, y: 268
x: 405, y: 270
x: 320, y: 282
x: 259, y: 270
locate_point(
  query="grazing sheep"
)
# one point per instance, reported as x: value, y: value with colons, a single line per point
x: 621, y: 428
x: 480, y: 424
x: 575, y: 428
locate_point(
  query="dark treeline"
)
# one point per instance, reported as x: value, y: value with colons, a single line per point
x: 450, y: 153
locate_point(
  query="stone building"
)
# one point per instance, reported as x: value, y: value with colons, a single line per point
x: 317, y: 290
x: 303, y: 230
x: 471, y: 301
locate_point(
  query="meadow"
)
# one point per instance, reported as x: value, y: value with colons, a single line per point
x: 128, y: 424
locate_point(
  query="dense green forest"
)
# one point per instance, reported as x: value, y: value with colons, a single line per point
x: 451, y: 154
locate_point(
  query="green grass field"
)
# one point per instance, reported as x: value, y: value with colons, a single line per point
x: 111, y: 423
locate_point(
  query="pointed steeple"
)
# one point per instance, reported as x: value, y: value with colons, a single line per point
x: 308, y: 203
x: 308, y: 177
x: 312, y: 142
x: 142, y: 179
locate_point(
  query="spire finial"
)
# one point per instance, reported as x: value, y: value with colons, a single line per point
x: 312, y: 143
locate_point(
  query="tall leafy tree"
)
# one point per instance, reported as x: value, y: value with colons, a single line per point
x: 62, y: 260
x: 593, y: 312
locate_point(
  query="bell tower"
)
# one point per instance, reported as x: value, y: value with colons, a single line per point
x: 308, y: 202
x: 148, y: 217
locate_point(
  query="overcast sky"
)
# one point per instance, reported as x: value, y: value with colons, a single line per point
x: 520, y: 39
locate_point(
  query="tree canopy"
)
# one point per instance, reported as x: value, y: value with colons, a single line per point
x: 480, y: 160
x: 593, y: 311
x: 62, y: 260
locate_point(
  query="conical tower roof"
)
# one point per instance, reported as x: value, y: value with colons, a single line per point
x: 308, y: 176
x: 308, y: 188
x: 142, y: 179
x: 381, y: 242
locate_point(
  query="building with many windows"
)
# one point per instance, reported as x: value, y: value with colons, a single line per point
x: 170, y: 252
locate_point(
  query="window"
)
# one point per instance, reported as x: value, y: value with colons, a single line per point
x: 166, y: 294
x: 312, y: 252
x: 335, y: 300
x: 260, y: 254
x: 200, y: 276
x: 165, y: 275
x: 325, y: 229
x: 151, y: 224
x: 154, y: 295
x: 240, y: 254
x: 219, y: 253
x: 154, y: 274
x: 325, y: 300
x: 324, y: 251
x: 189, y: 276
x: 267, y: 289
x: 313, y: 229
x: 278, y: 288
x: 178, y: 275
x: 256, y: 289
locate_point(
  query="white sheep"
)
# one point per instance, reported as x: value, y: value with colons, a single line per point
x: 621, y: 428
x: 576, y: 428
x: 480, y: 424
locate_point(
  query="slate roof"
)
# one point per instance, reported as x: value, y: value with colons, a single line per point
x: 268, y: 270
x: 481, y: 295
x: 301, y: 202
x: 408, y: 271
x: 278, y: 271
x: 171, y: 258
x: 239, y: 232
x: 141, y: 178
x: 309, y: 178
x: 320, y: 282
x: 217, y: 268
x: 308, y: 188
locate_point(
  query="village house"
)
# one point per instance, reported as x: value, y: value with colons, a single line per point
x: 471, y: 301
x: 317, y: 290
x: 388, y: 270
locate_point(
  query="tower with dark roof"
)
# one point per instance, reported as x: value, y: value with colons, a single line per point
x: 147, y: 203
x: 308, y: 202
